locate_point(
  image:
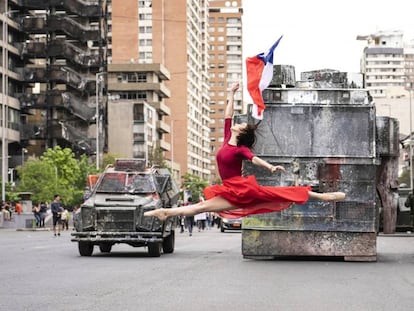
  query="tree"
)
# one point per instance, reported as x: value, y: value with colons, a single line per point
x: 195, y: 185
x: 156, y: 157
x: 109, y: 159
x: 56, y: 171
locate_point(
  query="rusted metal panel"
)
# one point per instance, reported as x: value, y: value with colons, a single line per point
x: 283, y: 76
x: 268, y: 244
x: 357, y: 213
x: 300, y: 130
x: 326, y: 139
x: 319, y: 97
x: 387, y: 131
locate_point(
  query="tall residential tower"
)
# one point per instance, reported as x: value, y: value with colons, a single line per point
x: 226, y: 67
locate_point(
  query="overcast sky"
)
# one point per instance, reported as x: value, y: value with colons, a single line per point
x: 321, y: 33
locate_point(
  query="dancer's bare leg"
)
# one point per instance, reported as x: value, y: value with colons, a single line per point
x: 328, y: 196
x: 216, y: 204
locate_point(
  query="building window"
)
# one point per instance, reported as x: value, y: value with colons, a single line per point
x: 142, y: 77
x: 139, y: 112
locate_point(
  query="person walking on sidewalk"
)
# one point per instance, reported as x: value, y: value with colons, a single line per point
x: 189, y: 220
x: 57, y: 209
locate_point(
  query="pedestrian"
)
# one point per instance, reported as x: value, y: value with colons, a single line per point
x: 18, y: 208
x: 189, y: 219
x: 182, y: 225
x: 209, y: 220
x: 43, y: 213
x: 8, y: 210
x: 65, y: 219
x: 36, y: 213
x: 200, y: 220
x: 239, y: 195
x: 57, y: 209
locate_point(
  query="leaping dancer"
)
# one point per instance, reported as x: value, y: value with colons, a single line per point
x: 239, y: 195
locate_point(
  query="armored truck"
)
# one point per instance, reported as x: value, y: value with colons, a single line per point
x: 114, y: 210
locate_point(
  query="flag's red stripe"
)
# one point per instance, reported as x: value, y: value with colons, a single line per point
x: 254, y: 67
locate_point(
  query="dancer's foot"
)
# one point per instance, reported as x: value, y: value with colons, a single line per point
x: 160, y: 213
x: 332, y: 196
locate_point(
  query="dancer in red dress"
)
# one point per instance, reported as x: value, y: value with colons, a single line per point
x: 240, y: 196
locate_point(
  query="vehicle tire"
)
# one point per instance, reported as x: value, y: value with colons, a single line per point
x: 105, y: 248
x: 85, y: 248
x: 154, y: 249
x: 168, y: 243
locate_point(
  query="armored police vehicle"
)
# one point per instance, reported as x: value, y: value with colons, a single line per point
x: 113, y: 213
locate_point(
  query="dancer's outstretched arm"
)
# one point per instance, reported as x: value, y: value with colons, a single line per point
x: 272, y: 168
x: 230, y: 101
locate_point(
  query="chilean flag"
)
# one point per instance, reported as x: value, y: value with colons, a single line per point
x: 259, y: 74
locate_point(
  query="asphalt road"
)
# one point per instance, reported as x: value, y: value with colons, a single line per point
x: 206, y: 272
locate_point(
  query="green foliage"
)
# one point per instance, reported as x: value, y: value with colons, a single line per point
x: 10, y: 194
x: 108, y: 159
x: 194, y: 184
x: 156, y: 157
x: 56, y: 171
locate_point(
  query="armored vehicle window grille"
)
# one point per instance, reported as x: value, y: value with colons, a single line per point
x: 162, y: 183
x: 112, y: 182
x: 141, y: 183
x: 118, y: 220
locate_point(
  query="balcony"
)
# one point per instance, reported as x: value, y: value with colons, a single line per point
x: 59, y: 74
x: 79, y: 7
x: 163, y: 127
x: 61, y: 48
x: 42, y: 24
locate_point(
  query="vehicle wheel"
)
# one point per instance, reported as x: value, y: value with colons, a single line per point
x: 85, y: 248
x: 105, y: 248
x: 168, y: 243
x: 154, y: 249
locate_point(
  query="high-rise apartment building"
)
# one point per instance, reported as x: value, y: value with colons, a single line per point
x: 11, y: 88
x: 383, y: 63
x: 388, y: 67
x: 136, y: 85
x: 180, y: 41
x: 172, y: 35
x: 226, y: 67
x: 51, y: 51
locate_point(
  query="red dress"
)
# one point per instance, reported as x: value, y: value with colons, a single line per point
x: 244, y: 192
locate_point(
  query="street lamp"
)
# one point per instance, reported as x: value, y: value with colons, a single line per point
x: 98, y: 79
x: 4, y: 67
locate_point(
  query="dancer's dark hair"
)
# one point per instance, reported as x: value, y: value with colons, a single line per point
x: 247, y: 136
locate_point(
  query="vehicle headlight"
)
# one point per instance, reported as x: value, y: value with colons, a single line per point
x: 225, y: 220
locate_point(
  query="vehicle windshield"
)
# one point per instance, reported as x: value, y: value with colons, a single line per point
x: 123, y: 182
x: 112, y: 182
x: 141, y: 183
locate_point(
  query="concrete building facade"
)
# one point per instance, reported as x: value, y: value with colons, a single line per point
x: 181, y: 42
x: 51, y: 51
x: 226, y: 67
x: 388, y: 67
x: 172, y: 35
x: 136, y: 85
